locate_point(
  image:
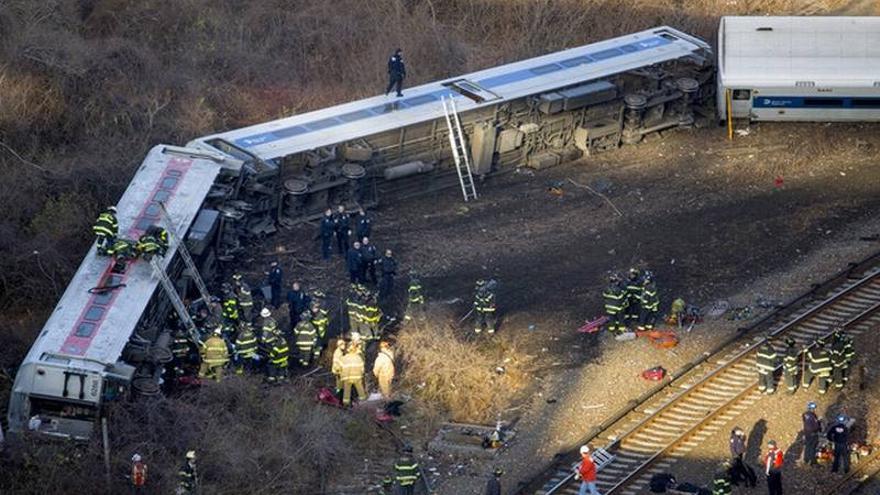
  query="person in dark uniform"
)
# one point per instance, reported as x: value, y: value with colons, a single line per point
x: 275, y: 279
x: 370, y: 257
x: 343, y: 229
x: 363, y: 225
x: 328, y: 228
x: 389, y: 270
x: 838, y: 434
x: 354, y: 261
x: 396, y: 73
x: 739, y: 470
x: 812, y: 427
x: 297, y: 302
x: 615, y: 304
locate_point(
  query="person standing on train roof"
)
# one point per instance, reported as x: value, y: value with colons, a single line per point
x: 396, y: 73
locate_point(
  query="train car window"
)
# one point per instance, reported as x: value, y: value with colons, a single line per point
x: 866, y: 102
x: 152, y: 210
x: 168, y: 183
x: 62, y: 409
x: 103, y: 297
x: 85, y: 329
x: 322, y: 124
x: 742, y: 94
x: 94, y: 313
x: 823, y: 102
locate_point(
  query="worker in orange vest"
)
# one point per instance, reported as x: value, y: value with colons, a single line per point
x: 138, y: 473
x: 586, y: 472
x: 773, y: 468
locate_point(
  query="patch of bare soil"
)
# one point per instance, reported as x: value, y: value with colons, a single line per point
x: 767, y: 214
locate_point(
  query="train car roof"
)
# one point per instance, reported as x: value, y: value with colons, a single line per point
x: 93, y: 327
x: 498, y: 84
x: 799, y: 51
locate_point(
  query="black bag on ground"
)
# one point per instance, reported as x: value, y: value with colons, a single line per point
x: 661, y: 482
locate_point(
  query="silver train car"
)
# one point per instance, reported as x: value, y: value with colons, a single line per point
x: 107, y: 334
x: 536, y: 112
x: 808, y: 69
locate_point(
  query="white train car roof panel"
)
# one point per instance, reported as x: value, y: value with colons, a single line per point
x: 94, y: 327
x: 424, y: 103
x: 787, y: 51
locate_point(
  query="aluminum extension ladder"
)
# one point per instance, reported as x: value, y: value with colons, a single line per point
x: 171, y: 292
x: 459, y: 150
x: 601, y: 458
x: 187, y: 259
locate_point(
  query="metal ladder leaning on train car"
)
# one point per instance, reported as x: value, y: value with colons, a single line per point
x: 187, y: 258
x: 459, y: 151
x: 172, y: 294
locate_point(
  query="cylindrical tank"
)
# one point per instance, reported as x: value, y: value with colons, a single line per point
x: 407, y: 169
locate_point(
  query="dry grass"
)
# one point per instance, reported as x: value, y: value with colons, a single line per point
x: 457, y: 378
x: 249, y: 440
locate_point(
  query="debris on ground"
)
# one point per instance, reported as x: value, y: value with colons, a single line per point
x: 717, y: 309
x: 654, y: 374
x: 740, y: 313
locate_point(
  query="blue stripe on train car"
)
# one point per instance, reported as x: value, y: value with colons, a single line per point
x: 845, y: 102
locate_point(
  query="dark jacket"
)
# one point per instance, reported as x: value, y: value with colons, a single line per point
x: 354, y: 260
x: 369, y: 254
x: 396, y: 66
x: 276, y: 277
x: 737, y: 445
x: 389, y: 266
x: 343, y: 223
x: 298, y: 301
x: 328, y: 226
x: 838, y: 433
x: 364, y: 226
x: 811, y: 423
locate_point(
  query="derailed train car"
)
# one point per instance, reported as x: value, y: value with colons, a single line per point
x: 536, y: 112
x: 109, y: 336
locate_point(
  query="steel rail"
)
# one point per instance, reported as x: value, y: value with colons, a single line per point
x: 798, y: 313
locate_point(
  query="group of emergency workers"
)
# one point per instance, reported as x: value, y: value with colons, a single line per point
x: 153, y: 242
x: 234, y: 333
x: 823, y: 363
x: 631, y: 304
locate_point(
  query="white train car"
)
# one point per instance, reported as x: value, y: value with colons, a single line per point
x: 535, y: 112
x: 819, y: 69
x: 76, y: 362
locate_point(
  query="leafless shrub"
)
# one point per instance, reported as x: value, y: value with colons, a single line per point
x: 471, y: 381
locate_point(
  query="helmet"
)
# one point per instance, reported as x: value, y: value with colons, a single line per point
x: 841, y: 418
x: 265, y: 313
x: 136, y: 458
x: 191, y: 454
x: 218, y: 330
x: 633, y: 272
x: 498, y: 471
x: 387, y: 482
x: 481, y: 282
x: 771, y: 443
x: 790, y: 341
x: 408, y: 448
x: 614, y: 278
x: 737, y: 430
x: 811, y: 406
x: 236, y: 276
x: 585, y: 449
x: 111, y: 209
x: 355, y: 337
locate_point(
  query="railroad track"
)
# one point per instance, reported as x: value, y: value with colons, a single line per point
x: 667, y: 424
x: 857, y: 482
